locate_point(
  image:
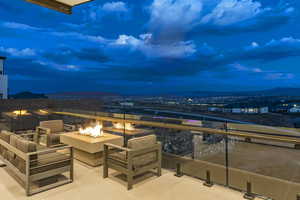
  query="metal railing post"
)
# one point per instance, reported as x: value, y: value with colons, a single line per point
x: 249, y: 195
x: 178, y: 170
x: 208, y: 182
x: 226, y: 155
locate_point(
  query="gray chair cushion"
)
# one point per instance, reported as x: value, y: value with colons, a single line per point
x: 144, y: 160
x: 50, y: 161
x: 53, y: 139
x: 55, y: 126
x: 119, y: 156
x: 142, y: 142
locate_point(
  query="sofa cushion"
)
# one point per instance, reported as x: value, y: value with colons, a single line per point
x: 26, y: 146
x: 13, y: 140
x: 50, y: 161
x: 5, y: 135
x: 20, y: 164
x: 142, y: 142
x: 10, y: 156
x: 55, y: 126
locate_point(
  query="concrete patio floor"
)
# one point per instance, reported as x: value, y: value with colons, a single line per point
x: 89, y: 185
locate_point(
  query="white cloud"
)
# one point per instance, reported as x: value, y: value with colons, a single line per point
x: 174, y: 50
x: 180, y: 16
x: 232, y: 11
x: 15, y: 25
x: 128, y: 40
x: 115, y: 7
x: 263, y: 74
x: 27, y: 52
x: 279, y: 76
x: 254, y: 44
x: 91, y: 38
x: 285, y: 40
x: 243, y: 68
x: 175, y: 12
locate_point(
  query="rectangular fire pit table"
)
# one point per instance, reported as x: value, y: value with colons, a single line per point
x: 88, y: 149
x: 129, y: 134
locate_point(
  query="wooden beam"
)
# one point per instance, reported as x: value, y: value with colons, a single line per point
x: 53, y: 4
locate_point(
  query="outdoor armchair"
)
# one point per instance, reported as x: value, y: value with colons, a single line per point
x: 141, y: 155
x: 52, y: 130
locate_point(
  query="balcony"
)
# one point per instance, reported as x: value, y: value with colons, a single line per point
x: 235, y: 159
x: 89, y: 185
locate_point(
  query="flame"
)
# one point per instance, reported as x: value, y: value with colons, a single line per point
x: 43, y: 111
x: 128, y: 126
x: 93, y: 131
x: 20, y: 112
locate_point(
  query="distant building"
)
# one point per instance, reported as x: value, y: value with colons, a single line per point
x: 295, y: 109
x: 288, y: 107
x: 250, y: 110
x: 3, y: 80
x: 215, y: 109
x: 172, y: 103
x: 246, y: 108
x: 127, y: 104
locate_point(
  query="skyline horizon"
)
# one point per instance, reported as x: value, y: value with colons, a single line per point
x: 206, y: 93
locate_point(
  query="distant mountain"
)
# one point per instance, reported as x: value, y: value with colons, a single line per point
x: 80, y: 95
x: 270, y: 92
x: 28, y: 95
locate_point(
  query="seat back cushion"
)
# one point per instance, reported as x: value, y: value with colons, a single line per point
x: 26, y: 146
x: 142, y: 142
x: 144, y: 160
x: 13, y: 140
x: 5, y: 135
x: 54, y: 125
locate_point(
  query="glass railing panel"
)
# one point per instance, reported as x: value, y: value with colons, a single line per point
x: 209, y: 157
x: 271, y: 168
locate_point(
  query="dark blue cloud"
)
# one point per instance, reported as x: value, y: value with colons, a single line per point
x: 178, y: 44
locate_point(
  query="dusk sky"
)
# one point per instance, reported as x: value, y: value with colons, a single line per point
x: 152, y: 47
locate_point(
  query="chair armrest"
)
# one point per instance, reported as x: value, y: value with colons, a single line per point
x: 69, y: 127
x: 27, y: 134
x: 58, y: 145
x: 117, y: 147
x: 52, y: 150
x: 40, y: 129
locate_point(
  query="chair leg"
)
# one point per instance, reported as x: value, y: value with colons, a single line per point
x: 159, y: 171
x: 105, y: 171
x: 129, y: 181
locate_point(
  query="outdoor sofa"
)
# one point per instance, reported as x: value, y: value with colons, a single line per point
x: 37, y: 168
